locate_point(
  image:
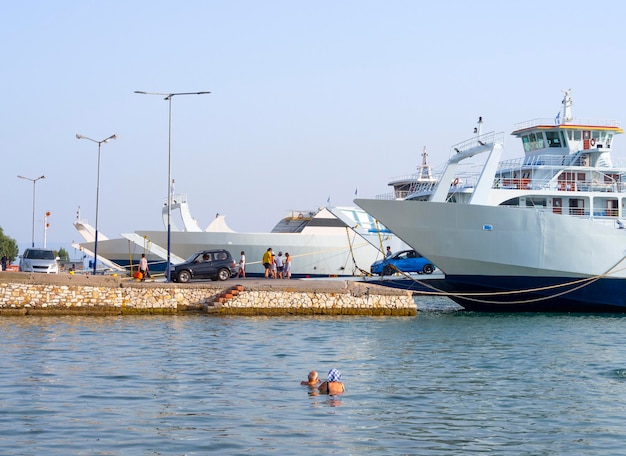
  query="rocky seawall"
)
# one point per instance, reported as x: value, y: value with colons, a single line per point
x: 66, y: 294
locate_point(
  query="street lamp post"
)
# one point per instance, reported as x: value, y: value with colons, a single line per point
x: 168, y: 97
x: 106, y: 140
x: 34, y: 181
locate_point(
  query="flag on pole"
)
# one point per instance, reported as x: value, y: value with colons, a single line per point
x: 356, y: 191
x: 557, y: 118
x: 328, y: 200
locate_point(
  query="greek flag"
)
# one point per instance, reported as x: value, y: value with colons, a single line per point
x: 557, y: 119
x: 356, y: 191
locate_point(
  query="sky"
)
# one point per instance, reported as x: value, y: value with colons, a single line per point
x: 310, y: 101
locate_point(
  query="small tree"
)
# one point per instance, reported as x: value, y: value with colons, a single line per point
x: 8, y: 247
x: 62, y: 253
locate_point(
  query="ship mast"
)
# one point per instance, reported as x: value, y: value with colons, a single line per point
x: 424, y: 170
x: 567, y: 106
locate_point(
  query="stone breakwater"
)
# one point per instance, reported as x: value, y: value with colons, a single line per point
x: 64, y: 294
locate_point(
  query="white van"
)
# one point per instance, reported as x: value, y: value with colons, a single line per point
x: 39, y: 260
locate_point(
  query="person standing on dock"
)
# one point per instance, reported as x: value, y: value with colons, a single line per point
x: 143, y: 267
x: 279, y: 265
x: 267, y: 261
x: 273, y: 271
x: 287, y: 266
x: 242, y: 265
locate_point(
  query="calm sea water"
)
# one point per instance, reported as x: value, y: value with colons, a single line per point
x: 444, y: 382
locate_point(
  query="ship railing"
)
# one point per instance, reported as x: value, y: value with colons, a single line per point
x: 602, y: 183
x: 419, y: 187
x: 561, y: 121
x: 392, y: 195
x: 538, y: 160
x: 463, y: 181
x: 404, y: 178
x: 300, y: 215
x: 487, y: 139
x: 523, y: 183
x: 177, y: 198
x: 577, y: 159
x: 516, y: 183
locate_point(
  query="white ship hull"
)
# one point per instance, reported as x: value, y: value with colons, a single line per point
x: 312, y: 255
x: 498, y: 240
x: 328, y: 243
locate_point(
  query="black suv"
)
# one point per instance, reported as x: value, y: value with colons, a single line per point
x: 206, y: 264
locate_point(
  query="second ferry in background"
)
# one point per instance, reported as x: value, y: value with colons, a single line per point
x: 327, y: 242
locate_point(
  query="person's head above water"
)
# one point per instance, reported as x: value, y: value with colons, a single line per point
x: 311, y: 380
x: 334, y: 375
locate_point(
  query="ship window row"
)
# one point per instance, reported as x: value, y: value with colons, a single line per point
x: 536, y: 141
x: 602, y: 207
x: 539, y: 140
x: 599, y: 136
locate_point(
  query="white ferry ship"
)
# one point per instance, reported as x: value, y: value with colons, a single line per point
x: 542, y: 232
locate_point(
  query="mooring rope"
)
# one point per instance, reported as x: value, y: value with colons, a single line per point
x: 578, y: 284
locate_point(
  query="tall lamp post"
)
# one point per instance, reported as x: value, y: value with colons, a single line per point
x: 168, y: 97
x: 106, y: 140
x: 34, y: 181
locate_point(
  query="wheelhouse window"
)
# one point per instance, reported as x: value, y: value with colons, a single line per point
x: 526, y: 143
x: 533, y: 141
x: 553, y: 139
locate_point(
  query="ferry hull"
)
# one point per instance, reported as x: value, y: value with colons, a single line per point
x: 536, y: 294
x: 493, y: 249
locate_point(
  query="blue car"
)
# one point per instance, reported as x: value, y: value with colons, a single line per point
x: 403, y: 261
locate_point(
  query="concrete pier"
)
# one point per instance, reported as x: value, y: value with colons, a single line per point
x: 66, y: 294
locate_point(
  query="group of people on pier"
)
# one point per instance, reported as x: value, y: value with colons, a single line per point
x: 276, y: 266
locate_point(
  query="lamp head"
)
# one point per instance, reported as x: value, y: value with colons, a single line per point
x: 78, y: 136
